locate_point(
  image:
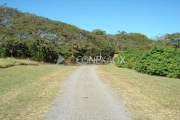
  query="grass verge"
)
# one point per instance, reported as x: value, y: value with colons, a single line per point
x: 148, y: 97
x: 27, y: 92
x: 4, y: 63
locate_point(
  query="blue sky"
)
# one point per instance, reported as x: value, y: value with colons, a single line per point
x: 149, y: 17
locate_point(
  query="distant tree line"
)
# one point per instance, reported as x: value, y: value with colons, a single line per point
x: 25, y: 35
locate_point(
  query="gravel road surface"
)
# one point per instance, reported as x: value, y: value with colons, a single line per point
x: 86, y: 97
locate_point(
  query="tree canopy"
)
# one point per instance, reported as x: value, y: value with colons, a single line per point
x: 26, y: 35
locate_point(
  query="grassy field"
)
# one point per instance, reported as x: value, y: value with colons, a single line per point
x: 27, y: 92
x: 4, y: 63
x: 148, y: 97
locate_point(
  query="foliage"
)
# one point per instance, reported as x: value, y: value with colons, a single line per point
x: 169, y: 39
x: 131, y: 55
x: 126, y: 40
x: 2, y: 52
x: 175, y: 38
x: 25, y: 35
x: 160, y: 60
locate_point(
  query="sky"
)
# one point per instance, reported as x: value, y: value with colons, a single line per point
x: 149, y: 17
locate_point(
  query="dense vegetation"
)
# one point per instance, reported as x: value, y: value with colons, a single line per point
x: 162, y: 59
x: 159, y: 60
x: 25, y: 35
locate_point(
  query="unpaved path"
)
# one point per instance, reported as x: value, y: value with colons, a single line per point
x: 85, y: 97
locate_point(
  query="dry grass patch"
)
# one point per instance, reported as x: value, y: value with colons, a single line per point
x: 27, y: 92
x: 148, y: 97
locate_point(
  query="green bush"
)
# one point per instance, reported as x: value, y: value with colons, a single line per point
x: 130, y: 56
x: 2, y: 52
x: 161, y: 61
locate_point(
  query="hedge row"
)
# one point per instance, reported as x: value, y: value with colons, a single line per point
x: 159, y: 60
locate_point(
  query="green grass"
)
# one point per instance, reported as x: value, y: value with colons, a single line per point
x: 4, y: 63
x: 27, y: 92
x: 148, y: 97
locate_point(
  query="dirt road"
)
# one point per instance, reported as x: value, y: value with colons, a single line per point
x: 86, y: 97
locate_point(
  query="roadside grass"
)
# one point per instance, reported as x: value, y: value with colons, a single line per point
x: 148, y: 97
x: 27, y: 92
x: 4, y: 62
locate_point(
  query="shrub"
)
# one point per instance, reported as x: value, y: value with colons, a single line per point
x: 161, y: 61
x: 2, y: 52
x: 131, y: 55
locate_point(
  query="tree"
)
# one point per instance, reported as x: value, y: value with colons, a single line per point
x: 175, y: 38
